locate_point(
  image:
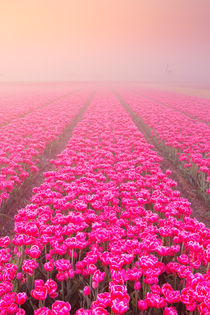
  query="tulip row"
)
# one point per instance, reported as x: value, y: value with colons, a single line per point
x: 195, y: 107
x: 23, y: 141
x: 19, y: 101
x: 106, y: 233
x: 185, y: 140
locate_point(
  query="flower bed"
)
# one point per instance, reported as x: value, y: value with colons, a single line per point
x: 195, y: 107
x: 21, y: 100
x: 23, y: 141
x: 185, y: 140
x: 107, y: 232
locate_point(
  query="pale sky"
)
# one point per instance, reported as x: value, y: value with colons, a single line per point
x: 79, y: 39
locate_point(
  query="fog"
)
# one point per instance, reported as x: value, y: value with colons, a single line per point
x: 155, y: 40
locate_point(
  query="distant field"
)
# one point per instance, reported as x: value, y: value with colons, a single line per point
x: 192, y: 91
x: 199, y: 92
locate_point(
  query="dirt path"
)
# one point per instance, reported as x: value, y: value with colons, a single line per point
x: 21, y: 198
x: 187, y: 190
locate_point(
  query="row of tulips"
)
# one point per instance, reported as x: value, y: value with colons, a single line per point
x: 23, y: 141
x: 107, y: 232
x: 195, y: 107
x: 16, y: 101
x: 185, y: 140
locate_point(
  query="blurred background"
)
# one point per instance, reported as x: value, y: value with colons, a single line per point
x: 137, y: 40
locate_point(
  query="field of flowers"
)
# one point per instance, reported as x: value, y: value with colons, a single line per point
x: 21, y: 100
x: 23, y: 141
x: 185, y: 140
x: 107, y: 231
x: 194, y: 107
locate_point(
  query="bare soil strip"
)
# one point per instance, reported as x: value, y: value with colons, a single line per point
x: 187, y: 189
x: 19, y: 199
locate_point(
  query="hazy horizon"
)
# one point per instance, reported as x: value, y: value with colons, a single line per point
x: 68, y: 40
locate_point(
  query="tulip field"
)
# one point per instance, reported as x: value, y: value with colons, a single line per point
x: 24, y: 140
x: 186, y: 139
x: 107, y: 231
x: 194, y: 107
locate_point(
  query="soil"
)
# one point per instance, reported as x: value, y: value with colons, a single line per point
x: 187, y: 189
x: 19, y: 199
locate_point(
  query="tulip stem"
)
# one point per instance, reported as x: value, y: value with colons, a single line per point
x: 62, y: 289
x: 72, y: 258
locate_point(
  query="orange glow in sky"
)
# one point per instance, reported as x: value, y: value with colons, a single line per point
x: 71, y: 39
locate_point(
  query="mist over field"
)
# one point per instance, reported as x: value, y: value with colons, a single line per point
x: 105, y: 40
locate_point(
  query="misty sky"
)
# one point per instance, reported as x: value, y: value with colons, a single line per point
x: 83, y: 39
